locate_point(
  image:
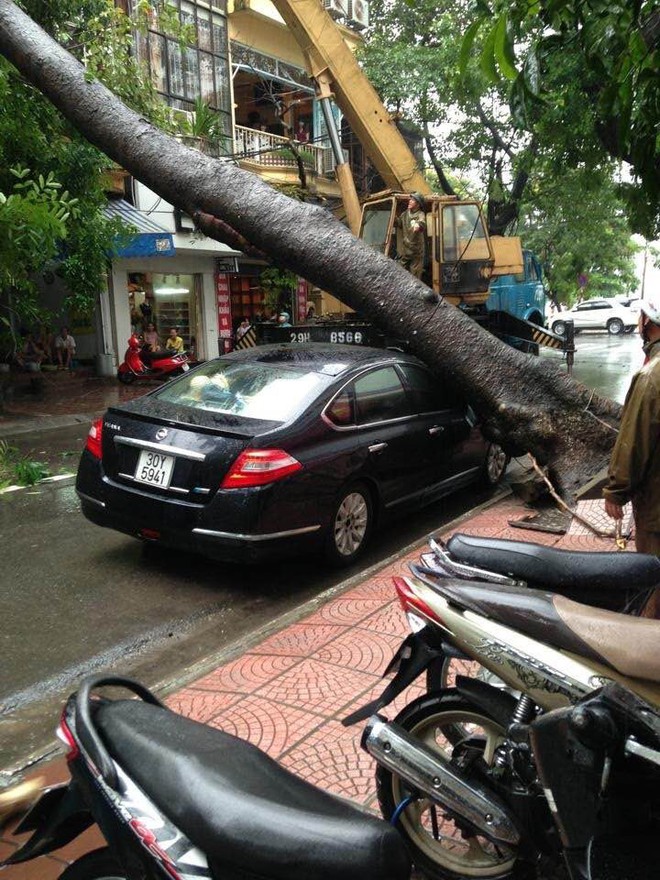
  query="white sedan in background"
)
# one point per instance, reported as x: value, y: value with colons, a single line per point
x: 598, y: 314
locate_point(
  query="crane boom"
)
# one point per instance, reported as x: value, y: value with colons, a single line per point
x: 330, y: 61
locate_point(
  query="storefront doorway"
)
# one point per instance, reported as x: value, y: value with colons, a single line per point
x: 165, y: 300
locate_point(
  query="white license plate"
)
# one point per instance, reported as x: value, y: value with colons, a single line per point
x: 154, y: 468
x: 185, y: 367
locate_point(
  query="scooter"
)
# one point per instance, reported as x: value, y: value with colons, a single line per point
x: 557, y: 772
x: 615, y: 581
x: 141, y: 363
x: 178, y: 799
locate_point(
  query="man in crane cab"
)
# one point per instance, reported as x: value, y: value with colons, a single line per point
x: 411, y: 235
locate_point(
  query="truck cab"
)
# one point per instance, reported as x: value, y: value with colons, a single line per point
x: 459, y: 256
x: 521, y: 295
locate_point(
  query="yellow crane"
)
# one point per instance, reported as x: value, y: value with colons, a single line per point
x: 461, y: 256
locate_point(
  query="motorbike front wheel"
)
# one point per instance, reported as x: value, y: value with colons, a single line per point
x: 126, y: 377
x: 439, y: 845
x: 99, y: 864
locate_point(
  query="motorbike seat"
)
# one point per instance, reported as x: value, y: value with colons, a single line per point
x: 531, y: 612
x: 248, y: 814
x: 628, y: 644
x: 581, y: 575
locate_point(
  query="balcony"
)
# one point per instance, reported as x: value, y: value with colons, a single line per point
x: 272, y: 151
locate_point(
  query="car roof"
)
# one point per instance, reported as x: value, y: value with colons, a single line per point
x: 329, y: 358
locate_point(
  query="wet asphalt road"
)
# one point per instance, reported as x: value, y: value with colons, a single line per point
x: 77, y: 598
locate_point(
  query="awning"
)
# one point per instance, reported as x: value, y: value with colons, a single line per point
x: 151, y: 239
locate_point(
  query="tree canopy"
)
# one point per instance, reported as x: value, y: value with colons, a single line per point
x: 519, y: 162
x: 617, y: 44
x: 52, y: 179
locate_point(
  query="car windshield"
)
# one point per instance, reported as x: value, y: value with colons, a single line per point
x: 269, y: 392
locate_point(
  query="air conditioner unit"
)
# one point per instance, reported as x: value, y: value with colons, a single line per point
x: 358, y: 14
x: 336, y: 8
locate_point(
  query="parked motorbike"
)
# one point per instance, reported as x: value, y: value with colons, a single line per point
x: 554, y: 775
x: 615, y: 581
x: 142, y: 363
x: 177, y: 799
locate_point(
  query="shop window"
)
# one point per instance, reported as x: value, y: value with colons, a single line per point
x: 166, y: 301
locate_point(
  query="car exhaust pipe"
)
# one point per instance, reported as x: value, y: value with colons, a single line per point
x: 396, y: 750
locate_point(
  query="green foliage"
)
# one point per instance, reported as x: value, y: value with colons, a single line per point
x: 619, y: 48
x: 495, y: 127
x: 53, y: 216
x: 576, y: 228
x: 278, y: 285
x: 17, y: 469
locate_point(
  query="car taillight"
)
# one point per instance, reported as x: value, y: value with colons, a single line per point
x: 258, y: 467
x: 410, y: 601
x: 94, y: 444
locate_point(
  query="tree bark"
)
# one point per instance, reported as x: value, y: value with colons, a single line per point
x: 525, y: 403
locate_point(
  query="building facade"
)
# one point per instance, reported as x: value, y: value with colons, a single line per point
x: 245, y: 65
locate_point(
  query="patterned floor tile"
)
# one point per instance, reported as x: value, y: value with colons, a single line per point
x: 390, y: 620
x: 299, y: 640
x: 332, y: 759
x: 244, y: 674
x: 379, y: 588
x: 346, y: 610
x: 370, y: 652
x: 266, y: 723
x: 201, y: 706
x: 321, y: 688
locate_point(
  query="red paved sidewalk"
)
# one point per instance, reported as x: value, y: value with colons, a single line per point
x: 288, y: 693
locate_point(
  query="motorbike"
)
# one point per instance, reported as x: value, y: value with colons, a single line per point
x: 178, y: 799
x: 142, y: 363
x: 615, y: 581
x: 550, y: 771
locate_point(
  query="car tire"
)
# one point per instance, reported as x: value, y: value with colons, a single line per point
x: 350, y: 525
x: 615, y: 327
x: 559, y: 327
x: 495, y: 465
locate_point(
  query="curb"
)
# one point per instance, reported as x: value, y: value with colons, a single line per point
x: 55, y: 482
x: 33, y: 425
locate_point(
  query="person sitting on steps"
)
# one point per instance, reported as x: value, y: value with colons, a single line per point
x: 65, y: 348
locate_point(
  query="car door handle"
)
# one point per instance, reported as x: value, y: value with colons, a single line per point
x: 436, y: 429
x: 377, y: 447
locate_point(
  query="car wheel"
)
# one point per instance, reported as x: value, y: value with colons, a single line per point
x: 615, y: 326
x: 559, y: 327
x: 495, y: 465
x: 350, y: 526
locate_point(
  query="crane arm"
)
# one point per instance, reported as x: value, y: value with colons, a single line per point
x: 330, y: 60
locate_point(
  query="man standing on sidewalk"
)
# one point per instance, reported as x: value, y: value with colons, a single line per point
x: 634, y: 470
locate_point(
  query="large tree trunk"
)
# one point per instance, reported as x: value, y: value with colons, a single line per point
x: 525, y: 402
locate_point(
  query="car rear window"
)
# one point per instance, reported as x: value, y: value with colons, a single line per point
x: 267, y: 392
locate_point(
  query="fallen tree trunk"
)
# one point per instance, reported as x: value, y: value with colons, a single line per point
x: 524, y: 402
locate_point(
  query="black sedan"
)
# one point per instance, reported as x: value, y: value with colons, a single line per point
x: 279, y: 450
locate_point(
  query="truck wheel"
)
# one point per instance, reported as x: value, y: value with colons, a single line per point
x: 615, y: 327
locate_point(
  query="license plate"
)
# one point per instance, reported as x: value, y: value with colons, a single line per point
x: 155, y: 469
x: 185, y: 367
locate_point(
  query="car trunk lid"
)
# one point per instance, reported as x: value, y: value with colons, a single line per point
x: 172, y: 453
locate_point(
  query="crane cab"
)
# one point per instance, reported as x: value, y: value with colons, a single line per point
x: 459, y: 259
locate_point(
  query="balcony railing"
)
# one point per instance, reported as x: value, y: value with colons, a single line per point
x: 274, y: 151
